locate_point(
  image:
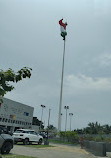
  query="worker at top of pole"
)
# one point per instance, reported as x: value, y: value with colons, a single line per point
x: 63, y: 28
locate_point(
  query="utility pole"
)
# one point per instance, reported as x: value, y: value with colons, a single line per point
x: 70, y: 114
x: 66, y: 108
x: 43, y: 106
x: 46, y: 142
x: 49, y: 117
x: 48, y: 124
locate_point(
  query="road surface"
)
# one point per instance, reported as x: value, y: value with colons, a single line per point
x: 58, y: 151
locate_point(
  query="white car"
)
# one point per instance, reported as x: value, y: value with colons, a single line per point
x: 27, y: 136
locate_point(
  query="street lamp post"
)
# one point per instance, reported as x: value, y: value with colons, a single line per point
x: 49, y: 117
x: 48, y: 124
x: 61, y: 117
x: 46, y: 142
x: 70, y: 114
x: 66, y: 108
x: 43, y: 106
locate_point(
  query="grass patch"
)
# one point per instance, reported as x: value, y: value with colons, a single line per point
x: 36, y: 146
x: 62, y: 142
x: 39, y: 146
x: 15, y: 156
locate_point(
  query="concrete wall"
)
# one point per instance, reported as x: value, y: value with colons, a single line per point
x: 97, y: 148
x: 108, y: 147
x: 15, y: 115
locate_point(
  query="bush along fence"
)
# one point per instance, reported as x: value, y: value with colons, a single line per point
x: 69, y: 136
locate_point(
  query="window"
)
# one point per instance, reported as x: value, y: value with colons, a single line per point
x: 3, y: 119
x: 26, y: 113
x: 19, y: 131
x: 9, y: 120
x: 33, y: 132
x: 25, y: 132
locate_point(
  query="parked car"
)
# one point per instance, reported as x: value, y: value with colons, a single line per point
x: 43, y: 134
x: 6, y: 141
x: 27, y: 136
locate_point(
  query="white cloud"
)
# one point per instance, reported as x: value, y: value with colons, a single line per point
x: 103, y: 60
x: 84, y: 83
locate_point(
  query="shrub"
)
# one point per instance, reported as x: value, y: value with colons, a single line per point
x: 69, y: 136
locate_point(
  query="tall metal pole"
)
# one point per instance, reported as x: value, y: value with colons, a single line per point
x: 48, y: 124
x: 70, y: 114
x: 41, y: 114
x: 66, y: 108
x: 43, y: 106
x: 61, y: 90
x: 66, y: 121
x: 49, y: 117
x: 70, y: 122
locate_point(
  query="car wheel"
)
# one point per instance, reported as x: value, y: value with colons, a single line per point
x: 26, y: 141
x: 7, y: 146
x: 40, y: 141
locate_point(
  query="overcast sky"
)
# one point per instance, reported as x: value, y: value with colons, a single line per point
x: 30, y: 36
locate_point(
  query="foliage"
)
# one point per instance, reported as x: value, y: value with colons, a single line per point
x: 37, y: 122
x: 10, y: 76
x: 61, y: 134
x: 108, y: 139
x: 95, y: 128
x: 98, y: 137
x: 88, y: 137
x: 96, y: 132
x: 51, y: 127
x: 61, y: 142
x: 69, y: 136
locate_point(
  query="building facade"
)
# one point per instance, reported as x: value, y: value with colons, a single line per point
x: 14, y: 115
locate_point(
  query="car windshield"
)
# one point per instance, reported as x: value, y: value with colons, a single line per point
x: 18, y: 131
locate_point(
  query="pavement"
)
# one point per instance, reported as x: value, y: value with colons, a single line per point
x: 58, y: 151
x: 108, y: 154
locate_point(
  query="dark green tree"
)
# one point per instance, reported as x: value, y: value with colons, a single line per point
x: 10, y: 76
x: 51, y: 127
x: 95, y: 128
x: 37, y: 122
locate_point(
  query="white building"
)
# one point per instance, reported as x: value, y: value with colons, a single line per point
x: 14, y: 115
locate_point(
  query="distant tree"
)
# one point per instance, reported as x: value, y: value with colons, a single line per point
x: 95, y: 128
x: 106, y: 129
x: 51, y: 127
x: 37, y: 122
x: 10, y: 76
